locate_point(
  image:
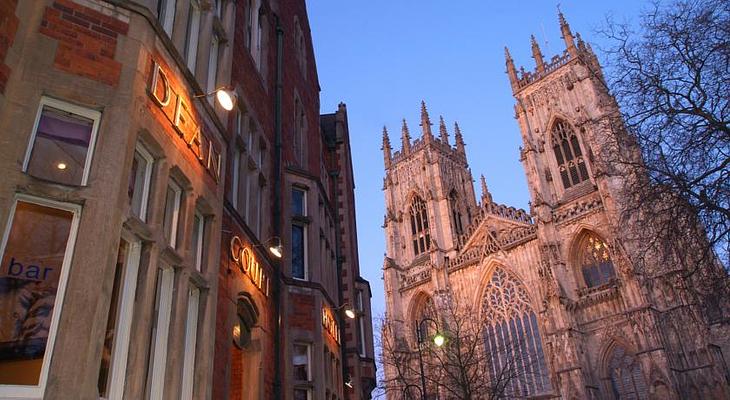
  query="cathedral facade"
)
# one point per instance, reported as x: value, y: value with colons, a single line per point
x: 560, y: 278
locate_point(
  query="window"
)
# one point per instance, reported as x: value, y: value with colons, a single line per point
x: 301, y: 362
x: 62, y: 142
x: 252, y: 15
x: 258, y: 56
x: 299, y: 132
x: 299, y: 234
x: 166, y: 14
x: 191, y: 42
x: 32, y: 286
x: 302, y: 394
x: 112, y: 371
x: 361, y: 324
x: 160, y: 331
x: 218, y: 8
x: 568, y: 155
x: 191, y: 333
x: 138, y: 188
x: 198, y: 240
x: 595, y: 261
x: 512, y: 336
x: 456, y: 213
x: 298, y: 203
x: 173, y: 198
x: 627, y: 380
x: 420, y: 234
x: 212, y: 67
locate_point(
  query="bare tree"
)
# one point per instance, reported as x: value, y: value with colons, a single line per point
x: 671, y: 78
x: 461, y: 368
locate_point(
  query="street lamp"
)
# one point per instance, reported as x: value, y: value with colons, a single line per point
x: 438, y: 339
x: 407, y: 392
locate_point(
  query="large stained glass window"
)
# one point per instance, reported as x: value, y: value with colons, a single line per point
x: 419, y: 226
x: 568, y: 154
x: 595, y: 262
x: 512, y: 338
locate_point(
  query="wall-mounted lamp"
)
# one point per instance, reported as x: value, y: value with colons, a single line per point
x: 225, y: 95
x: 348, y: 381
x: 348, y: 310
x: 275, y: 246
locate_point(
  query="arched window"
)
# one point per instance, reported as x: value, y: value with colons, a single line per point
x: 595, y: 262
x: 426, y: 309
x: 627, y: 381
x: 419, y: 226
x: 567, y: 152
x: 512, y: 338
x: 456, y: 213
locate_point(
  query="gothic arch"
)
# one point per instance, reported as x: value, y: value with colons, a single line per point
x: 456, y: 208
x: 568, y: 151
x: 418, y: 225
x: 420, y: 306
x: 591, y: 258
x: 621, y: 373
x: 512, y: 336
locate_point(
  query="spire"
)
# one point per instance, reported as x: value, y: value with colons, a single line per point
x: 405, y: 138
x: 459, y: 139
x: 486, y: 196
x: 386, y: 148
x: 511, y: 71
x: 443, y: 133
x: 567, y: 35
x: 425, y: 123
x: 537, y: 55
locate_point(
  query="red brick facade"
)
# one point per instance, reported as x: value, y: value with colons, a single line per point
x: 87, y: 40
x: 8, y: 27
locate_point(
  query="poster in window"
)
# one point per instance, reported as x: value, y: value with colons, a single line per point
x: 29, y: 277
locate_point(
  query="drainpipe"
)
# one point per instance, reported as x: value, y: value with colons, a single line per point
x: 277, y: 205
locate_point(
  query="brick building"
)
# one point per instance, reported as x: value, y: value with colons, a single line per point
x: 140, y: 218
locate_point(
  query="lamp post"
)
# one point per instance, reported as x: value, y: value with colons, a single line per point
x: 438, y: 340
x: 407, y: 392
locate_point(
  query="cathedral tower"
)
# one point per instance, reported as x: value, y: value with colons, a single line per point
x: 562, y: 278
x: 429, y: 200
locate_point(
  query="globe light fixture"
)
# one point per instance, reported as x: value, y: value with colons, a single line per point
x: 350, y: 313
x: 61, y: 166
x: 439, y: 340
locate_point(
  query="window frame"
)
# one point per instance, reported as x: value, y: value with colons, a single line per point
x: 120, y: 349
x: 175, y: 218
x: 192, y: 36
x: 38, y: 391
x: 300, y: 221
x: 308, y: 346
x: 164, y: 285
x: 166, y: 12
x: 71, y: 108
x: 361, y: 322
x: 147, y: 183
x: 213, y: 61
x: 200, y: 220
x: 191, y: 342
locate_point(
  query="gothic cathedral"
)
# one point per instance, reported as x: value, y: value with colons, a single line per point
x: 559, y: 278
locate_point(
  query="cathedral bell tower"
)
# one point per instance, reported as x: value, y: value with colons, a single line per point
x: 429, y: 197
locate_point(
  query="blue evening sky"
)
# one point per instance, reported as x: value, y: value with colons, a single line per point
x: 382, y: 57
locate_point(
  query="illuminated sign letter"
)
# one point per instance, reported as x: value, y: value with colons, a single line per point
x: 159, y: 83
